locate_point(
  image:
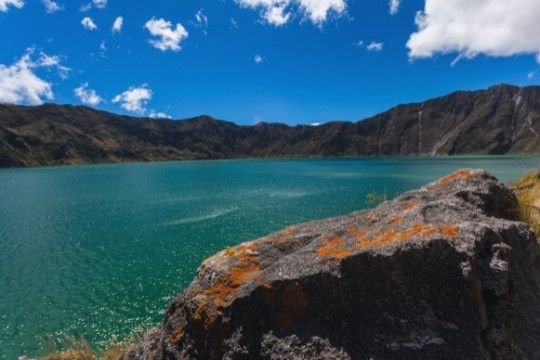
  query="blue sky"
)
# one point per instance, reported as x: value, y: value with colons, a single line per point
x: 260, y: 60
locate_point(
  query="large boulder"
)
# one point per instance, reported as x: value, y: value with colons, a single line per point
x: 444, y: 272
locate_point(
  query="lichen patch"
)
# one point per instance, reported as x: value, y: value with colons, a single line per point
x: 418, y: 230
x: 460, y: 174
x: 283, y: 236
x: 245, y: 268
x: 408, y: 206
x: 334, y: 247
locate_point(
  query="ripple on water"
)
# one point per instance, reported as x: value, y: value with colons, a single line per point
x: 195, y: 219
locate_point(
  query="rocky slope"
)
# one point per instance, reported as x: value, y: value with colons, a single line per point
x: 444, y: 272
x: 502, y: 119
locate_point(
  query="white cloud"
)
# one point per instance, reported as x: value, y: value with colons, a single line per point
x: 496, y: 28
x: 531, y: 75
x: 394, y: 6
x: 87, y: 96
x: 5, y: 4
x: 279, y: 12
x: 201, y: 18
x: 100, y: 4
x: 159, y: 115
x: 375, y: 46
x: 318, y: 10
x: 168, y: 38
x: 46, y: 61
x: 88, y: 24
x: 234, y: 24
x: 51, y: 6
x: 117, y: 25
x: 19, y: 83
x: 258, y: 59
x: 134, y: 99
x: 86, y: 7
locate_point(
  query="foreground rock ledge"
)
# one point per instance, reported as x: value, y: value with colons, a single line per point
x: 444, y: 272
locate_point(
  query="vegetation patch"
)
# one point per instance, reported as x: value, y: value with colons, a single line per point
x: 527, y: 190
x: 81, y: 349
x: 374, y: 198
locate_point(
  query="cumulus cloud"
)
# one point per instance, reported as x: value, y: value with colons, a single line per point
x: 5, y: 4
x: 159, y: 115
x: 87, y: 96
x: 279, y: 12
x: 167, y: 36
x: 51, y: 6
x: 394, y: 6
x: 258, y: 59
x: 19, y: 84
x: 375, y: 46
x: 497, y: 28
x: 88, y: 23
x: 117, y: 25
x: 134, y: 99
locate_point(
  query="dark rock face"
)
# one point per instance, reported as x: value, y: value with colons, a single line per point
x: 502, y: 119
x: 444, y: 272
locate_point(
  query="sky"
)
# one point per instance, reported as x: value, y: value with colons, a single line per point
x: 247, y: 61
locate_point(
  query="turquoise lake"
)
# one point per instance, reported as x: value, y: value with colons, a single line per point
x: 95, y: 251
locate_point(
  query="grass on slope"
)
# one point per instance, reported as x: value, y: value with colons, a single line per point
x: 83, y: 350
x: 528, y: 193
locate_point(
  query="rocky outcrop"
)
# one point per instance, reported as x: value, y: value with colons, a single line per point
x: 444, y: 272
x: 500, y: 120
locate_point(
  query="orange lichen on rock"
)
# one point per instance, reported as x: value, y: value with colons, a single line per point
x: 260, y: 280
x: 284, y: 235
x: 177, y: 335
x: 397, y: 236
x: 396, y: 220
x: 372, y: 218
x: 355, y: 232
x: 246, y: 267
x: 449, y: 230
x: 461, y: 174
x: 204, y: 314
x: 408, y: 206
x: 334, y: 247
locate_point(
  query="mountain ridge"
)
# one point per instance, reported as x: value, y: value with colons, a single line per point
x: 502, y: 119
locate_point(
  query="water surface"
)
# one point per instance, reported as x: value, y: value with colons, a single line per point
x: 95, y: 251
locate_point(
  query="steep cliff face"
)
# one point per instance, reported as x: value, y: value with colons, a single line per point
x: 444, y: 272
x: 502, y: 119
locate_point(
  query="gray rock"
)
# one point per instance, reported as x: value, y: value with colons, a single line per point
x: 444, y: 272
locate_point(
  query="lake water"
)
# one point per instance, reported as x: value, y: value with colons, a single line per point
x: 95, y: 251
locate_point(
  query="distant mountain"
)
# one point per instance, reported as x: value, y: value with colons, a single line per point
x: 500, y: 120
